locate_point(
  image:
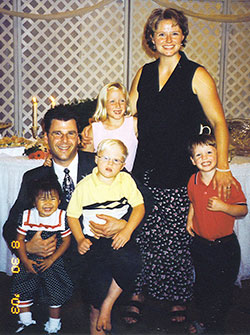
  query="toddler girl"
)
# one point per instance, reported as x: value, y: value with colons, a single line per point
x: 37, y: 273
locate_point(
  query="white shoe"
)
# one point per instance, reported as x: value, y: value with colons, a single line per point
x: 24, y: 328
x: 51, y: 330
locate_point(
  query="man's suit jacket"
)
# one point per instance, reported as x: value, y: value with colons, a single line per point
x: 85, y: 165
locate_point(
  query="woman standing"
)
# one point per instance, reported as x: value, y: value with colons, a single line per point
x: 174, y: 98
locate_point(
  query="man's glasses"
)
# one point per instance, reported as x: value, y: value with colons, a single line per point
x: 113, y: 160
x: 59, y: 135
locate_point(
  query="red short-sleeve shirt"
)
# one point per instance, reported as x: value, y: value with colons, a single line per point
x: 208, y: 224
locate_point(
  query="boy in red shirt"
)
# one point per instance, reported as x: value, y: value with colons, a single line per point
x: 215, y: 249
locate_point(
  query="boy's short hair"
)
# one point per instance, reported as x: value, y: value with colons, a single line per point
x: 108, y: 143
x: 203, y: 139
x: 45, y: 185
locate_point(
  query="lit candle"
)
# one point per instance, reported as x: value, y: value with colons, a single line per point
x: 34, y: 101
x: 53, y: 102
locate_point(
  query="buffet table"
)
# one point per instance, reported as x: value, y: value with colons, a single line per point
x: 11, y: 173
x: 13, y: 168
x: 240, y: 168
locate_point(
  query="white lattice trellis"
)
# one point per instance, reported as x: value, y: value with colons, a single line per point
x: 6, y: 68
x: 204, y: 40
x: 237, y: 83
x: 74, y: 57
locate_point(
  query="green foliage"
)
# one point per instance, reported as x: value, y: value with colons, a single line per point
x: 34, y: 148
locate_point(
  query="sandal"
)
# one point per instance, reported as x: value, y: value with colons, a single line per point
x: 198, y: 328
x: 128, y: 313
x: 174, y: 315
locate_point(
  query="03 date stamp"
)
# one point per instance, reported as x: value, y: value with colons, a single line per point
x: 15, y: 261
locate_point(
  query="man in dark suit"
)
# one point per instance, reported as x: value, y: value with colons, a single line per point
x: 61, y: 132
x: 61, y: 129
x: 61, y: 135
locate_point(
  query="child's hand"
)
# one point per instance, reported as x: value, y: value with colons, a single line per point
x: 189, y: 227
x: 29, y: 266
x: 84, y: 246
x: 48, y: 161
x: 85, y: 136
x: 45, y: 264
x: 120, y: 239
x: 215, y: 204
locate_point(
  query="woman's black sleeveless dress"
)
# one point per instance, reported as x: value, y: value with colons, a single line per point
x: 166, y: 120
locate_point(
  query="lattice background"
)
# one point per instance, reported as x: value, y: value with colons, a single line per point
x: 6, y: 67
x: 75, y: 57
x: 237, y: 76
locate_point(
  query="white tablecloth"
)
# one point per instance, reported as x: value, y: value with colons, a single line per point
x: 13, y: 168
x: 240, y: 168
x: 11, y: 173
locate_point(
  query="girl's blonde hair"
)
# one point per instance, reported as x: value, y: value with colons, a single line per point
x: 101, y: 112
x: 108, y: 143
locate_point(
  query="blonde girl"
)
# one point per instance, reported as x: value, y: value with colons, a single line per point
x: 113, y: 120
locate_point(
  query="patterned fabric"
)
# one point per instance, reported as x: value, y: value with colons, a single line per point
x: 68, y: 185
x: 33, y: 222
x: 92, y: 197
x: 164, y: 243
x: 53, y: 286
x: 55, y: 282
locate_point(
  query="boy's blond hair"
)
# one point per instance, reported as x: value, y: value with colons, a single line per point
x: 101, y: 112
x: 109, y: 143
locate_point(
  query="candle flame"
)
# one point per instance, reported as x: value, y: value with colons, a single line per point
x: 53, y: 101
x: 34, y: 99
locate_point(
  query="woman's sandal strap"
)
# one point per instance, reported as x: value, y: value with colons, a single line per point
x: 137, y: 304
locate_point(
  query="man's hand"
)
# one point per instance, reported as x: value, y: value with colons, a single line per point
x: 223, y: 181
x: 109, y: 229
x: 41, y: 247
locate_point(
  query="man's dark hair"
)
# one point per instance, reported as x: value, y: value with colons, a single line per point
x: 44, y: 185
x: 60, y: 112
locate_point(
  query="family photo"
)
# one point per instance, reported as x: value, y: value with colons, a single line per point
x: 124, y: 167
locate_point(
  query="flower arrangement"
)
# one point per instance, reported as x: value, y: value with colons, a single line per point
x: 37, y: 150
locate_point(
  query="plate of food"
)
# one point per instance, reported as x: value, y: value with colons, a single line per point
x: 13, y: 141
x: 5, y: 125
x: 239, y: 130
